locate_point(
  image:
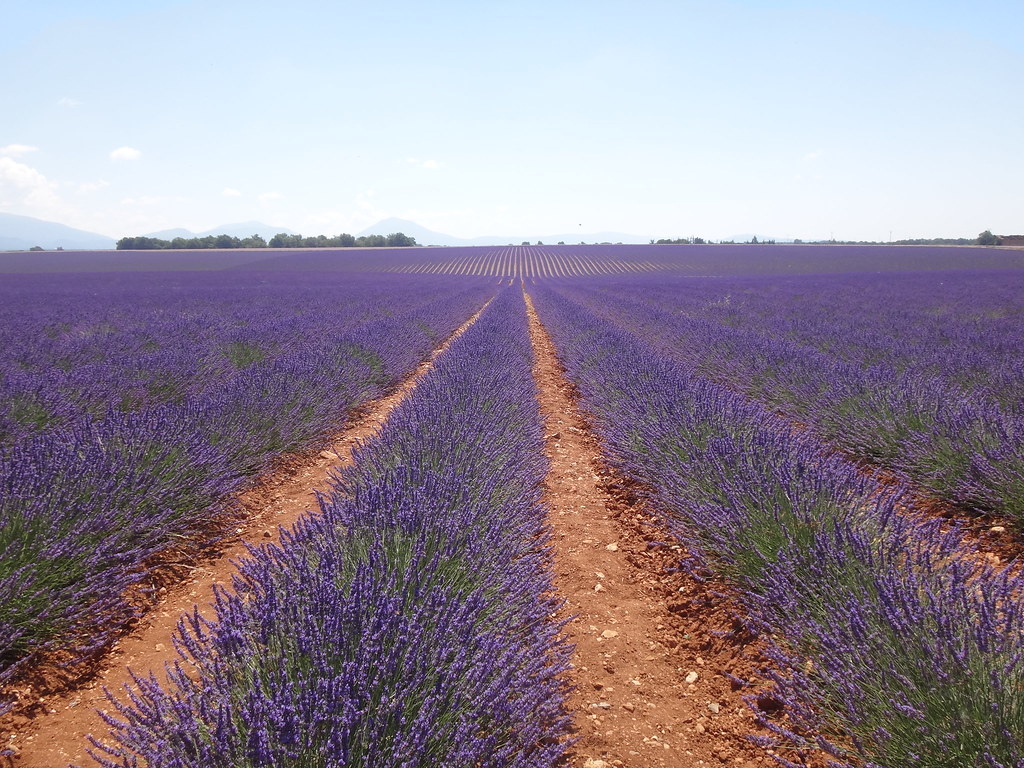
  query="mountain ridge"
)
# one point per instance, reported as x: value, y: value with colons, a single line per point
x: 20, y: 233
x: 240, y: 229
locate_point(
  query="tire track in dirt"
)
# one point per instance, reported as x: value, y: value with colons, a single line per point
x: 49, y: 728
x: 653, y: 645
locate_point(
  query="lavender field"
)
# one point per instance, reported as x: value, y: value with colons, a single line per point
x: 134, y: 405
x: 786, y: 412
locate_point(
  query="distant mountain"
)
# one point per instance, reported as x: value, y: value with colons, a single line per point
x: 19, y: 233
x: 426, y: 236
x: 423, y: 235
x: 242, y: 229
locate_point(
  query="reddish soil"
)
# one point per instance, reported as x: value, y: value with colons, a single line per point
x: 49, y: 724
x: 988, y: 539
x: 996, y: 541
x: 653, y: 645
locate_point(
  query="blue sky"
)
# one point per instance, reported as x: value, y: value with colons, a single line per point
x: 660, y: 119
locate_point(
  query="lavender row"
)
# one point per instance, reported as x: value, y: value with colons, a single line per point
x: 79, y: 345
x: 962, y: 328
x: 84, y: 505
x: 540, y: 260
x: 410, y: 623
x: 923, y: 376
x: 892, y: 646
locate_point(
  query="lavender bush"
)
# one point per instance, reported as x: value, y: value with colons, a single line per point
x: 898, y: 613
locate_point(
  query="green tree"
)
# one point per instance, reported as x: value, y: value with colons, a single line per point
x: 371, y: 241
x: 400, y: 240
x: 284, y: 240
x: 987, y: 238
x: 142, y: 244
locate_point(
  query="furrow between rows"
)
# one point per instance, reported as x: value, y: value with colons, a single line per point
x: 654, y: 648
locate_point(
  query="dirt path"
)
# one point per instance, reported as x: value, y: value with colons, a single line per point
x: 652, y: 647
x: 51, y: 730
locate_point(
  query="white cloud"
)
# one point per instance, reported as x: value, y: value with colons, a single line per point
x: 17, y: 150
x: 125, y: 153
x: 268, y: 197
x: 67, y: 101
x: 27, y: 185
x: 231, y: 192
x: 812, y: 156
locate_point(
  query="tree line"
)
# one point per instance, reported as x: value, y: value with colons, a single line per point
x: 679, y: 241
x: 984, y: 238
x: 280, y: 240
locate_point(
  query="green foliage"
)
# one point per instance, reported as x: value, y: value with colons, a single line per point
x: 26, y: 411
x: 104, y: 474
x: 344, y: 240
x: 243, y: 354
x: 141, y: 244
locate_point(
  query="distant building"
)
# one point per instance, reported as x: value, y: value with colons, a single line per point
x: 1017, y: 240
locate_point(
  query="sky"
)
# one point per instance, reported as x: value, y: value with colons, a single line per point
x: 864, y: 120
